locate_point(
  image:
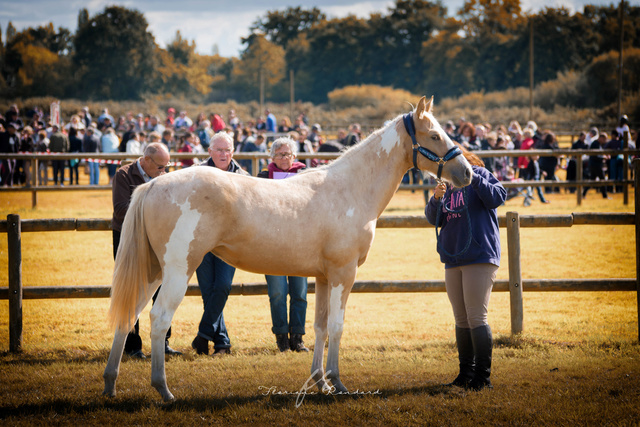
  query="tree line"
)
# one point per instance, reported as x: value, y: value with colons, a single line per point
x: 415, y: 46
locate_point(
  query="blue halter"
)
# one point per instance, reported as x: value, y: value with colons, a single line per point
x: 417, y: 148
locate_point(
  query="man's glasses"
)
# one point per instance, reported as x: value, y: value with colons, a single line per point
x: 281, y: 156
x: 160, y: 167
x: 222, y: 150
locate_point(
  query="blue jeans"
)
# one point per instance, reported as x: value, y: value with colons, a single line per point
x: 278, y: 289
x: 214, y: 279
x: 94, y: 173
x: 112, y: 170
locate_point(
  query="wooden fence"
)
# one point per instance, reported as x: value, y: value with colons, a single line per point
x: 255, y: 158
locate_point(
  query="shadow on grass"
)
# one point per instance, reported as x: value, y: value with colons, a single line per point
x: 125, y: 405
x: 51, y: 357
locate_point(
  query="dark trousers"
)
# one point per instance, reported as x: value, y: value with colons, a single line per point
x: 134, y: 342
x: 73, y: 169
x: 6, y: 169
x: 58, y: 169
x: 214, y: 280
x: 596, y: 172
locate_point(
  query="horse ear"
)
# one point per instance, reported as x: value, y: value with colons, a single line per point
x: 424, y: 106
x: 429, y: 106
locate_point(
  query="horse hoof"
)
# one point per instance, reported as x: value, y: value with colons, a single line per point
x: 326, y: 388
x: 109, y: 393
x: 166, y: 395
x: 338, y: 387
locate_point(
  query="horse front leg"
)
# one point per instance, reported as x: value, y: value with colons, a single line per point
x: 169, y: 298
x: 337, y: 304
x: 320, y: 328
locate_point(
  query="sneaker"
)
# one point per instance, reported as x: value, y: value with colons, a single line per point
x: 137, y: 354
x: 296, y: 343
x: 221, y: 352
x: 171, y: 352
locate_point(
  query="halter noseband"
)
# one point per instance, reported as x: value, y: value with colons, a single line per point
x: 411, y: 130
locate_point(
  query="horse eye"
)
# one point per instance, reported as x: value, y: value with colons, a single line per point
x: 436, y: 137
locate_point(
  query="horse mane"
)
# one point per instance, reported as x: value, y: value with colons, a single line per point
x: 348, y: 152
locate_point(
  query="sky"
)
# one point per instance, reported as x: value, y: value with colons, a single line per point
x: 214, y: 22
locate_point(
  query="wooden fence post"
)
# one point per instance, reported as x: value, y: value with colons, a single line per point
x: 579, y: 177
x: 515, y: 275
x: 15, y: 282
x: 636, y: 177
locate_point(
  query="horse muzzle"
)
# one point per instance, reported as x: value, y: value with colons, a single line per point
x: 461, y: 173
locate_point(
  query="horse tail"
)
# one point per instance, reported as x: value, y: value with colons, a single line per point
x: 132, y: 266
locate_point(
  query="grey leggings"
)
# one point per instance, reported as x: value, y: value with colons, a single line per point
x: 469, y: 288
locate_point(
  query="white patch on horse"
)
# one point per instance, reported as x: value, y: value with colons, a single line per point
x: 389, y: 139
x: 336, y: 312
x: 350, y: 212
x: 181, y: 237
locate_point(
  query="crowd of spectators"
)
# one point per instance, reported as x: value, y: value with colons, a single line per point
x: 84, y: 133
x: 479, y: 137
x: 181, y: 134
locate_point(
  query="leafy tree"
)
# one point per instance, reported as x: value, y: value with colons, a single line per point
x: 396, y: 48
x: 604, y: 21
x: 488, y: 19
x: 42, y: 72
x: 562, y: 42
x: 601, y: 77
x: 36, y: 62
x: 11, y: 31
x: 115, y: 55
x: 282, y: 27
x: 337, y: 48
x: 182, y: 71
x: 260, y: 58
x: 448, y: 63
x: 181, y: 50
x: 221, y: 69
x: 83, y: 17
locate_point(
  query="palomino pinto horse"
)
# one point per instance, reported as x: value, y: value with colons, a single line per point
x: 329, y: 213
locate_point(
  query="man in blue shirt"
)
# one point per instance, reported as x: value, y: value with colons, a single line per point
x: 271, y: 121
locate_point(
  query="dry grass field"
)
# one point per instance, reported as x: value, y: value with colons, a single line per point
x: 576, y: 363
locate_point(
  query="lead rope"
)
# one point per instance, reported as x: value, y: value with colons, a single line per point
x: 465, y: 210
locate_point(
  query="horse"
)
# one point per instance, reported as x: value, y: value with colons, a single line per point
x: 330, y: 212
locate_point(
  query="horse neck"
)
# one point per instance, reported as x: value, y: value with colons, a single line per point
x: 373, y: 169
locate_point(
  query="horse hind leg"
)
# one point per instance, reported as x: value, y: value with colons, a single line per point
x: 320, y: 328
x: 112, y: 370
x: 335, y: 326
x: 169, y: 298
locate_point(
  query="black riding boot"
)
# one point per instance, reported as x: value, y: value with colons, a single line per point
x: 465, y: 356
x: 282, y: 340
x: 482, y: 348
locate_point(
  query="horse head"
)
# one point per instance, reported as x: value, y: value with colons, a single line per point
x: 433, y: 150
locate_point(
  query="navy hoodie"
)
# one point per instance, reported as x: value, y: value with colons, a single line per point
x: 483, y: 196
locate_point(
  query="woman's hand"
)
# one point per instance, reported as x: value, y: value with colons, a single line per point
x: 439, y: 191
